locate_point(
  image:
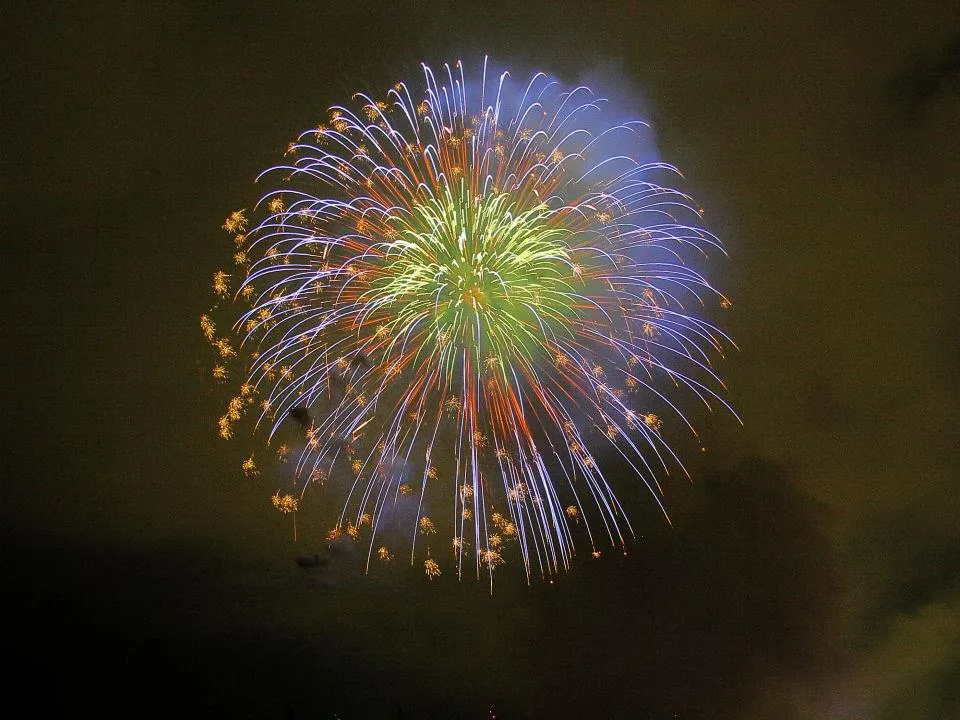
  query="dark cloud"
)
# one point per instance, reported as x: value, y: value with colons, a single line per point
x: 144, y: 570
x: 301, y: 415
x: 934, y: 71
x: 729, y: 599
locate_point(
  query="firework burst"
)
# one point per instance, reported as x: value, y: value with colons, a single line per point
x: 470, y: 299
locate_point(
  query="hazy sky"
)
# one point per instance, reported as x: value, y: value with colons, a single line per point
x: 813, y: 570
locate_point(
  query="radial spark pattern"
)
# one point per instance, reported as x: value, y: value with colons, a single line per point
x: 470, y: 298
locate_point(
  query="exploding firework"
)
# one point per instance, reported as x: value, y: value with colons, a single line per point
x: 470, y: 298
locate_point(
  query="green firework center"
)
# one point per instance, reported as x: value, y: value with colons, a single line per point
x: 478, y: 273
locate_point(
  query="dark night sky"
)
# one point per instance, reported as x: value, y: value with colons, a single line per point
x: 813, y: 570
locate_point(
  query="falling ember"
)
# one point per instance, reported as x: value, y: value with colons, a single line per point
x: 431, y: 568
x: 236, y: 222
x: 485, y: 293
x: 285, y: 503
x: 427, y: 527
